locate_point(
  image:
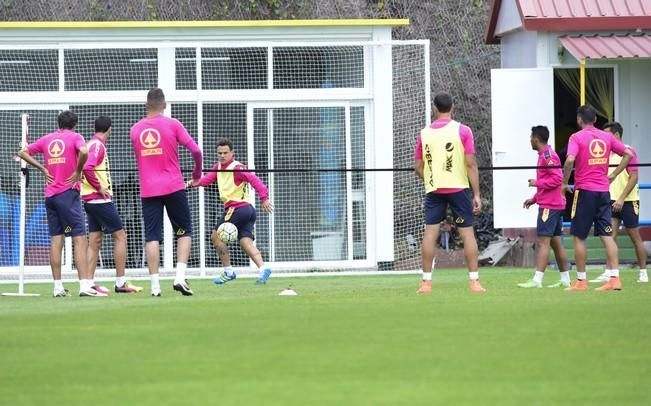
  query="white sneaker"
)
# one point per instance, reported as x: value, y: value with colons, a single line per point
x: 644, y: 278
x: 60, y: 293
x: 604, y: 277
x: 91, y: 293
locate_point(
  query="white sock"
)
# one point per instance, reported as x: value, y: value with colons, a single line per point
x: 58, y: 284
x: 614, y: 273
x: 427, y: 276
x: 228, y: 270
x: 580, y: 276
x: 607, y: 273
x: 565, y: 276
x: 120, y: 281
x: 642, y: 271
x: 473, y: 275
x: 538, y: 276
x: 85, y: 284
x: 155, y: 282
x: 180, y: 272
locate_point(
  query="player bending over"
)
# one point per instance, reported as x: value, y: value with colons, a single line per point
x: 234, y: 192
x: 64, y: 152
x: 551, y: 204
x: 625, y: 200
x: 97, y: 194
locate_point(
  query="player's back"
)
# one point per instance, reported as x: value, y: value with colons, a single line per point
x: 592, y: 148
x: 60, y: 154
x: 155, y: 141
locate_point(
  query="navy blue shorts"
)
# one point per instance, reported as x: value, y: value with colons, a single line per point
x: 243, y: 218
x: 629, y: 215
x: 103, y: 217
x: 590, y: 208
x: 64, y: 214
x: 178, y: 212
x: 550, y: 222
x: 460, y: 203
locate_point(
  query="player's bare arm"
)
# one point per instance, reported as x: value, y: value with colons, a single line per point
x: 24, y: 155
x: 83, y: 157
x: 473, y: 178
x: 567, y: 171
x: 419, y: 167
x: 627, y: 156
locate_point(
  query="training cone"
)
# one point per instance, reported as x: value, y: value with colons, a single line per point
x: 287, y: 292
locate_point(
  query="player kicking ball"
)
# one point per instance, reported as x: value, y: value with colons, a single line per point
x: 234, y: 193
x: 551, y: 204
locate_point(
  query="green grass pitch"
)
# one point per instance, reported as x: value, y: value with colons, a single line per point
x: 343, y: 340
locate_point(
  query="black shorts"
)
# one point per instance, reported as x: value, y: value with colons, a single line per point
x: 64, y: 214
x: 460, y: 203
x: 178, y: 212
x: 103, y: 217
x: 630, y: 214
x: 590, y: 208
x: 243, y: 218
x: 550, y: 222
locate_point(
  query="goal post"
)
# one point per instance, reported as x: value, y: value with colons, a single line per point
x: 310, y: 116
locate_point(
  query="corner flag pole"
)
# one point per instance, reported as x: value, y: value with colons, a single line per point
x: 23, y: 213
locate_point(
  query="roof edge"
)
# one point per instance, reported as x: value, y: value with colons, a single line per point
x: 205, y: 24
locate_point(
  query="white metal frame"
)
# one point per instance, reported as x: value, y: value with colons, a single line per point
x: 258, y: 98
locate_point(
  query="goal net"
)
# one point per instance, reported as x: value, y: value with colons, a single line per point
x: 305, y: 116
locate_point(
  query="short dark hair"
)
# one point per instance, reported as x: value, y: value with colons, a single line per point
x: 541, y: 132
x: 225, y: 142
x: 67, y: 120
x: 443, y: 102
x: 155, y: 97
x: 615, y: 127
x: 587, y: 113
x: 102, y: 124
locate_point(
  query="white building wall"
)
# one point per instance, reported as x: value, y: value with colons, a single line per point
x: 519, y: 49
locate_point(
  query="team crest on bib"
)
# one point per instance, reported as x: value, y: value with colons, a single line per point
x: 149, y: 139
x: 56, y: 148
x: 597, y: 149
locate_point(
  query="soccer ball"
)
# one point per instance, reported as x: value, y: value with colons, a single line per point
x: 227, y: 232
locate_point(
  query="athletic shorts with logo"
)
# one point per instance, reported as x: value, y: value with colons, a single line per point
x: 103, y: 217
x: 460, y: 203
x: 550, y: 222
x: 64, y: 214
x: 629, y: 214
x: 178, y: 212
x: 591, y: 208
x: 243, y: 218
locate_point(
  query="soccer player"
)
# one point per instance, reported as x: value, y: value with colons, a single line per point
x: 551, y: 204
x: 97, y: 194
x: 234, y: 192
x: 155, y: 141
x: 590, y: 149
x: 625, y: 200
x: 64, y: 152
x: 445, y: 160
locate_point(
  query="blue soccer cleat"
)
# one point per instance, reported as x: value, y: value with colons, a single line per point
x: 223, y: 278
x: 263, y: 277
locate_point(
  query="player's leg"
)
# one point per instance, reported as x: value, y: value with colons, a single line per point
x: 615, y: 222
x: 461, y: 205
x: 95, y: 236
x: 631, y: 216
x: 224, y: 255
x: 583, y: 214
x: 435, y: 207
x: 562, y: 261
x: 178, y: 211
x: 55, y: 229
x: 603, y: 229
x: 152, y: 212
x: 545, y: 228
